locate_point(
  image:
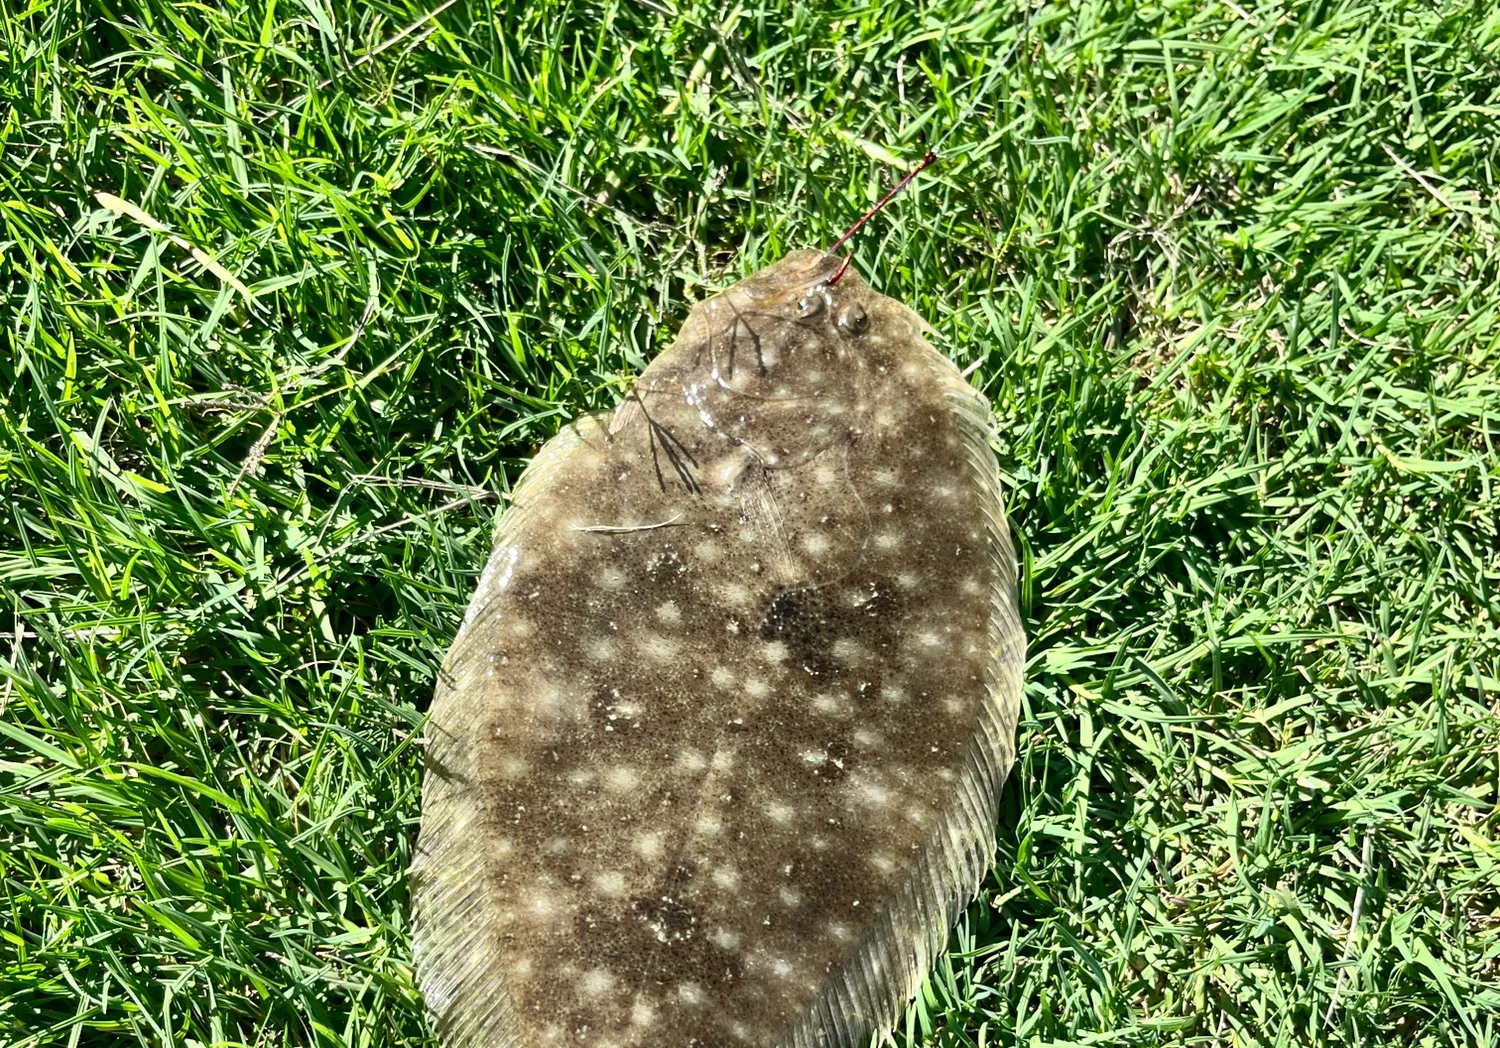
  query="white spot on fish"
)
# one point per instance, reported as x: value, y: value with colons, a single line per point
x: 596, y: 982
x: 727, y: 877
x: 621, y: 778
x: 668, y: 613
x: 780, y: 813
x: 736, y: 595
x: 550, y: 700
x: 648, y: 845
x: 723, y: 938
x: 874, y: 796
x: 847, y: 650
x: 610, y: 883
x: 831, y: 705
x: 721, y: 677
x: 661, y: 649
x: 707, y: 553
x: 775, y: 651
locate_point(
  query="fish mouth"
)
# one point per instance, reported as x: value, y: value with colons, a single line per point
x: 820, y: 266
x: 793, y: 275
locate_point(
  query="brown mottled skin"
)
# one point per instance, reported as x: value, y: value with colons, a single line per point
x: 732, y: 660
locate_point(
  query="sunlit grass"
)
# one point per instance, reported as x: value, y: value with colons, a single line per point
x: 290, y: 292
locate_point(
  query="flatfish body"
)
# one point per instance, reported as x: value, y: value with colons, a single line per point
x: 715, y: 756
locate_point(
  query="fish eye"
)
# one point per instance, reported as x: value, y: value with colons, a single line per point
x: 810, y: 305
x: 853, y: 319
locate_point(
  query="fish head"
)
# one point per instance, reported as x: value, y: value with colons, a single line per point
x: 778, y: 363
x: 809, y: 296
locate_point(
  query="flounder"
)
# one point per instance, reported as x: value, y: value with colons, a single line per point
x: 714, y: 759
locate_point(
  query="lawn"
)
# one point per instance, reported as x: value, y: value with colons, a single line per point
x: 290, y: 292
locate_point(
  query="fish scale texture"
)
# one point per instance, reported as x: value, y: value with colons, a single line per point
x: 714, y: 759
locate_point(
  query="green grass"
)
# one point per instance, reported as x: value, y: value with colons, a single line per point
x: 1228, y: 272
